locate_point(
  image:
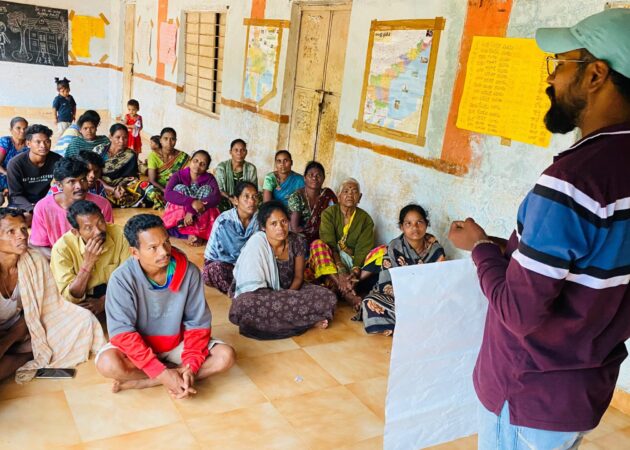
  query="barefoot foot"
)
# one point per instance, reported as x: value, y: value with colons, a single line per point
x: 322, y: 324
x: 118, y: 386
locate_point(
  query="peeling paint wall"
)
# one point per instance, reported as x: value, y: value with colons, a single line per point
x: 29, y: 85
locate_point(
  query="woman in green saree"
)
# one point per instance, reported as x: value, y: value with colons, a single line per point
x: 163, y: 164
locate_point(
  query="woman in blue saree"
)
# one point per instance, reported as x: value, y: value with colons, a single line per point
x: 281, y: 183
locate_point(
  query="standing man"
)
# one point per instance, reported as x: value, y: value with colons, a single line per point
x: 559, y: 301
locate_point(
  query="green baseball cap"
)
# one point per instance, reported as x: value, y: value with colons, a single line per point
x: 606, y: 35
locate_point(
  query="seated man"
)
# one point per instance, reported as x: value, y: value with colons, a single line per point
x: 83, y: 259
x: 346, y: 237
x: 157, y: 313
x: 29, y: 174
x: 49, y: 215
x: 37, y: 327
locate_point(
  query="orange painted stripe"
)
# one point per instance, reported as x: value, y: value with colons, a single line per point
x: 483, y: 18
x: 279, y: 118
x: 258, y: 9
x: 398, y: 153
x: 162, y: 15
x: 101, y: 65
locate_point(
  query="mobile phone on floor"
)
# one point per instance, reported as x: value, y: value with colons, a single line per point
x: 55, y: 373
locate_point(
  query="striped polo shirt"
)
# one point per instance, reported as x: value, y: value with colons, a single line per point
x: 559, y: 301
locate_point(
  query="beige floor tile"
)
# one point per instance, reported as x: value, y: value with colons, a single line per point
x: 612, y: 420
x: 224, y: 392
x: 344, y: 314
x: 286, y: 374
x: 248, y: 348
x: 354, y: 360
x: 10, y: 389
x: 619, y: 439
x: 330, y: 418
x: 372, y: 393
x: 40, y: 421
x: 467, y: 443
x: 219, y: 305
x: 99, y: 414
x: 375, y: 443
x: 173, y: 436
x: 588, y: 445
x: 257, y: 427
x: 337, y: 331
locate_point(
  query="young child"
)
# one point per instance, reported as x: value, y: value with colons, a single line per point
x: 64, y: 106
x: 133, y: 120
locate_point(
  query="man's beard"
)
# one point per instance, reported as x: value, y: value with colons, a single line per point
x: 563, y: 115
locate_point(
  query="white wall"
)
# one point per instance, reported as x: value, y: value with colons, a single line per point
x: 29, y: 85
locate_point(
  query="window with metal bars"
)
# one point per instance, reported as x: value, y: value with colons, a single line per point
x: 203, y: 59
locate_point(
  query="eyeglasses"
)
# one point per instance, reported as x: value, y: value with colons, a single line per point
x: 553, y: 63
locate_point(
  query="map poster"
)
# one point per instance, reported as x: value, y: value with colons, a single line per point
x: 262, y: 56
x: 398, y: 78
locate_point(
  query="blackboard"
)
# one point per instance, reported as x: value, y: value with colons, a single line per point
x: 33, y: 34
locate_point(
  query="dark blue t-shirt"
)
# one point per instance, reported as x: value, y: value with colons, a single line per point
x: 65, y: 106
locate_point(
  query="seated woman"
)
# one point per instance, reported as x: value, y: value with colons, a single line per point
x: 346, y: 238
x: 413, y: 246
x: 308, y: 203
x: 88, y: 140
x: 192, y: 195
x: 229, y: 234
x: 163, y: 163
x: 35, y: 321
x: 283, y: 182
x: 229, y: 173
x: 120, y: 171
x: 270, y: 298
x: 11, y: 146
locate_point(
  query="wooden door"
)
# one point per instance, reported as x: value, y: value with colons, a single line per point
x: 318, y: 83
x: 130, y: 20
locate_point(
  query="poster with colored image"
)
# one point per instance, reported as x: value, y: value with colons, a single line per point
x: 262, y: 53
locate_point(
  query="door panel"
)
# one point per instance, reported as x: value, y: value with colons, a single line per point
x: 327, y: 132
x: 304, y: 126
x: 312, y: 49
x: 336, y: 52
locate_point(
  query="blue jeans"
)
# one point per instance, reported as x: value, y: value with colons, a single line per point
x: 497, y: 433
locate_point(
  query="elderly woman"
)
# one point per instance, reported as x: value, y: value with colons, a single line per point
x: 270, y: 298
x: 346, y: 238
x: 88, y: 140
x: 163, y: 163
x: 229, y: 173
x: 35, y: 321
x: 230, y: 232
x: 120, y: 171
x: 283, y: 182
x: 192, y: 195
x: 308, y: 203
x: 10, y: 146
x: 413, y: 246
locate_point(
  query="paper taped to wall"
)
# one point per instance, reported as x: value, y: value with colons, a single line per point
x: 84, y: 28
x: 167, y: 43
x: 504, y: 92
x: 440, y: 315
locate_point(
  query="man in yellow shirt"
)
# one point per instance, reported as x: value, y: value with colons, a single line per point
x: 84, y: 258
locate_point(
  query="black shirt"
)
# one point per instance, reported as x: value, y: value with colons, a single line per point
x: 28, y: 183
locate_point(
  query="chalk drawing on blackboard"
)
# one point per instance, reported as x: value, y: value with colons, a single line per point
x: 33, y: 34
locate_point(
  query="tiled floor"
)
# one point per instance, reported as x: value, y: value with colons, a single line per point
x: 324, y: 389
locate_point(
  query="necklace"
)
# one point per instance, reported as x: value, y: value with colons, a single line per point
x: 276, y: 255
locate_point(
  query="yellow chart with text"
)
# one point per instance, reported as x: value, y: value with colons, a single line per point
x: 504, y: 92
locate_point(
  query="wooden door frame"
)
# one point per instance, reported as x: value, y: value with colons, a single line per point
x: 290, y: 72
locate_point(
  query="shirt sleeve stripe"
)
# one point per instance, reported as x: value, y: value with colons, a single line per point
x: 539, y: 267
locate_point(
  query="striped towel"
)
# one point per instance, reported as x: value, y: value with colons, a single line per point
x: 62, y: 334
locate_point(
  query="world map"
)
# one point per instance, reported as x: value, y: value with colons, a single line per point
x: 260, y: 63
x: 397, y: 79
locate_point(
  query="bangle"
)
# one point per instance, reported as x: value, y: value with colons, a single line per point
x: 483, y: 241
x: 83, y: 269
